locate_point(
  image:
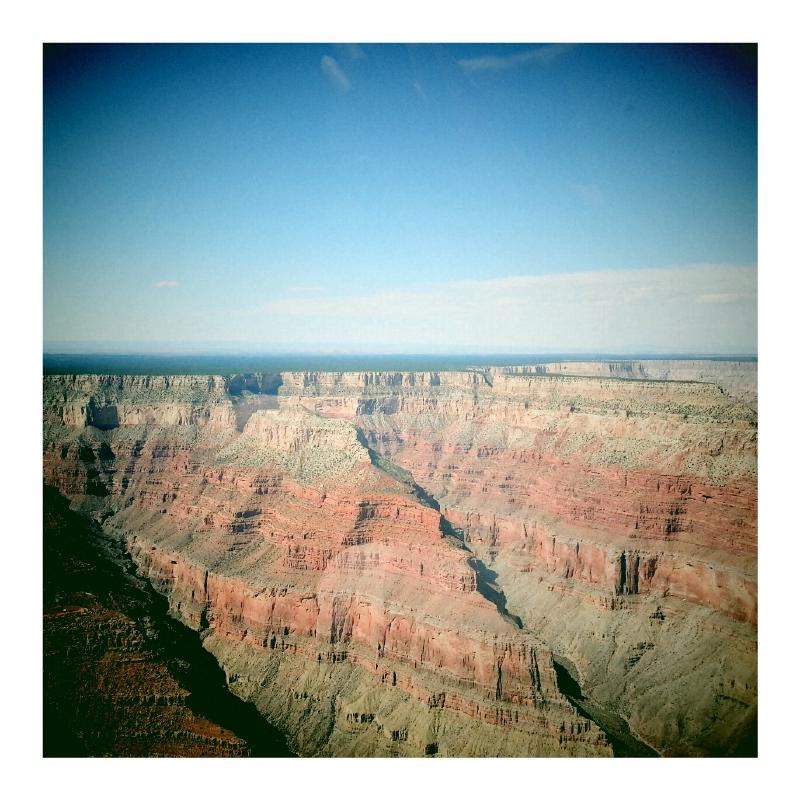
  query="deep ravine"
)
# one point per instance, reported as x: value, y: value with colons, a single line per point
x: 101, y: 621
x: 616, y: 729
x: 619, y: 735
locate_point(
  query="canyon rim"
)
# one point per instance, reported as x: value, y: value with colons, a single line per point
x: 526, y: 561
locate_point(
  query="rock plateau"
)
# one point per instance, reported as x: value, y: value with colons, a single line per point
x: 547, y: 560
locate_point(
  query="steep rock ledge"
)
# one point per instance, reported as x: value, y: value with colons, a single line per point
x: 616, y: 518
x: 320, y: 580
x: 619, y: 516
x: 120, y: 677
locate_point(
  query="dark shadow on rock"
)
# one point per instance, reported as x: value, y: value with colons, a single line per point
x: 619, y: 735
x: 254, y: 383
x: 485, y: 580
x: 81, y: 560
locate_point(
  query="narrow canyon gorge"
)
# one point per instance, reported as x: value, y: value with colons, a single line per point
x: 548, y: 560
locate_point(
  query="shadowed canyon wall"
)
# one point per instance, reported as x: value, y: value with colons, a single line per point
x: 121, y: 678
x: 388, y: 563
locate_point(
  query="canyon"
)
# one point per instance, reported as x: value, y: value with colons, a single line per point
x: 121, y: 677
x: 557, y: 559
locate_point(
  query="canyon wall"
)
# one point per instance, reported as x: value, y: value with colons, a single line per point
x: 317, y: 574
x: 111, y: 686
x: 737, y: 378
x: 399, y: 563
x: 619, y: 516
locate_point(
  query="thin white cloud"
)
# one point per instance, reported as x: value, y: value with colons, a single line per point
x: 334, y: 73
x: 352, y: 52
x: 538, y: 55
x: 725, y: 297
x: 669, y: 309
x: 165, y: 284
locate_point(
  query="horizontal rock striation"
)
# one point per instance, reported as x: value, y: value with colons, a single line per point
x: 111, y: 686
x: 385, y: 562
x: 737, y: 378
x: 318, y: 574
x: 603, y: 504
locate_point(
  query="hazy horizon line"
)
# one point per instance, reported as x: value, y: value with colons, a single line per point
x: 642, y: 353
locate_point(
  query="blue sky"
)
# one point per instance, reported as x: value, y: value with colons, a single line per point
x: 400, y: 198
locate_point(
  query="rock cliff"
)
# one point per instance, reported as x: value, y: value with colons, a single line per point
x: 120, y: 677
x: 404, y: 563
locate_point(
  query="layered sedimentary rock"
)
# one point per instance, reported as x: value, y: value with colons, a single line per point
x: 618, y: 515
x: 318, y: 574
x: 388, y: 563
x: 737, y: 378
x: 110, y: 688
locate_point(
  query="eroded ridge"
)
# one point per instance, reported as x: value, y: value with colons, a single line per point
x: 617, y: 509
x: 611, y: 521
x: 319, y: 578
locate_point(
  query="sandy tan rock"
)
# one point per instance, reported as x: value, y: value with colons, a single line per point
x: 614, y: 519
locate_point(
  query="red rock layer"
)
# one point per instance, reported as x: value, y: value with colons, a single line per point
x: 319, y: 580
x: 620, y: 496
x: 518, y: 464
x: 619, y: 517
x: 108, y: 690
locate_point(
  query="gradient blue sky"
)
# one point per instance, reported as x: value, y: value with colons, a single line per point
x: 374, y: 198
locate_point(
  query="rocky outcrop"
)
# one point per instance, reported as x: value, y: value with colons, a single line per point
x: 397, y: 556
x: 603, y: 504
x: 320, y: 578
x: 120, y: 678
x: 737, y: 378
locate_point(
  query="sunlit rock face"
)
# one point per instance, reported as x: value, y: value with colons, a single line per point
x: 388, y: 563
